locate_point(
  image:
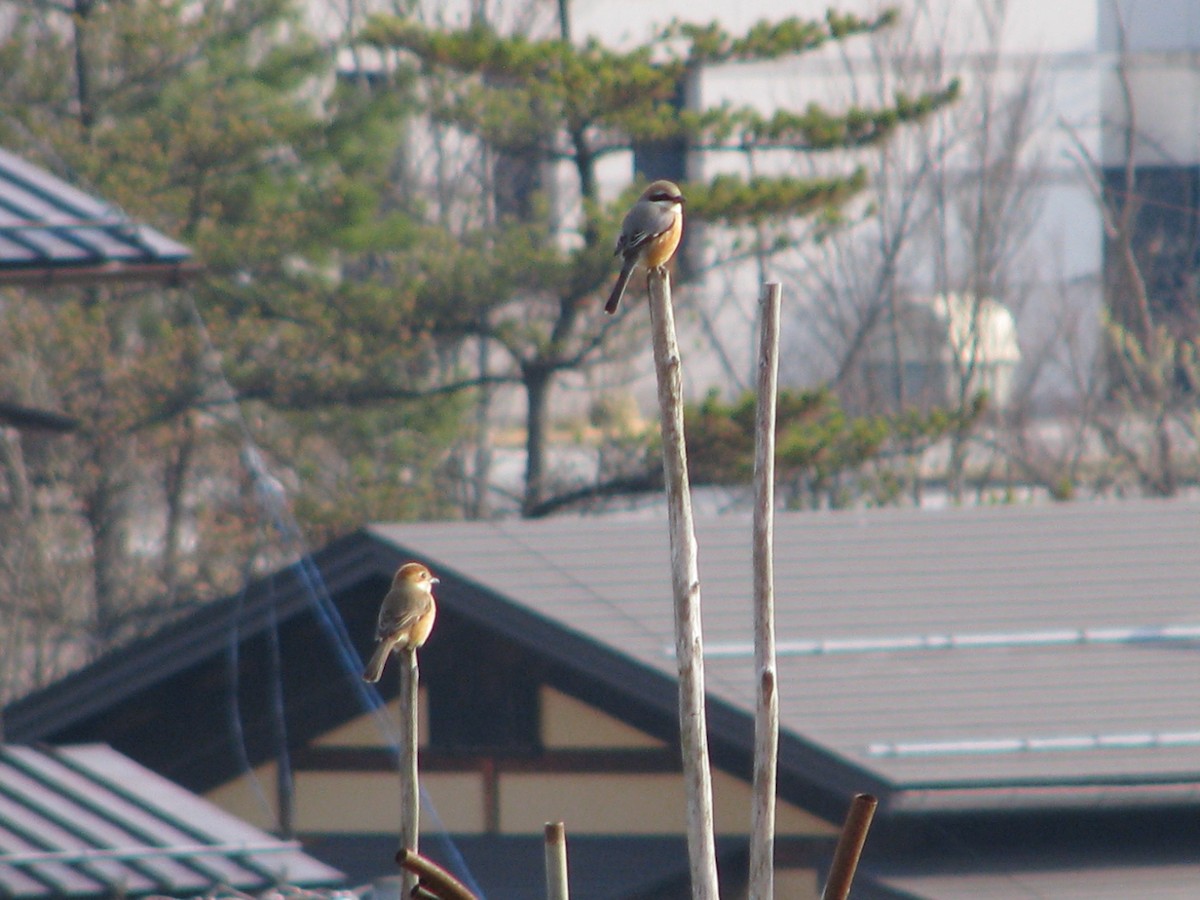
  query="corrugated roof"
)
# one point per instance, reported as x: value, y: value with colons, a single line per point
x: 1162, y: 881
x: 971, y: 657
x: 52, y: 232
x: 1011, y: 681
x: 85, y: 821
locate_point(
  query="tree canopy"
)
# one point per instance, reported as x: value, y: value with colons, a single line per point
x: 357, y: 306
x: 557, y: 101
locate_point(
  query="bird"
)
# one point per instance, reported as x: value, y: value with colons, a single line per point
x: 649, y: 235
x: 405, y: 616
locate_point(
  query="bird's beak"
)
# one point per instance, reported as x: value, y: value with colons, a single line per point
x: 435, y: 580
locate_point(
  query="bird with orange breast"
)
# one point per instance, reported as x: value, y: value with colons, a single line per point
x: 405, y: 617
x: 649, y: 235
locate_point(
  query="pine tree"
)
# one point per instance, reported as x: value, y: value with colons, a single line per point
x: 540, y: 102
x: 220, y: 125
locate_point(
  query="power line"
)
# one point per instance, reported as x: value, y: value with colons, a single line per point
x: 271, y: 498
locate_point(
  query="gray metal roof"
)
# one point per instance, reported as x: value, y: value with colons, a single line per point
x: 1018, y: 684
x: 974, y: 658
x: 84, y: 820
x: 52, y: 232
x: 1162, y: 881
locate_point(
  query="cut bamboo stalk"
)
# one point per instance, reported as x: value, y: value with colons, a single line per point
x: 685, y: 583
x: 849, y: 847
x: 766, y: 713
x: 410, y: 792
x: 556, y: 862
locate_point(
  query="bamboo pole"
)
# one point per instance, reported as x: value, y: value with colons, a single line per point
x: 849, y: 847
x: 685, y: 583
x: 556, y: 862
x: 410, y: 794
x: 766, y: 713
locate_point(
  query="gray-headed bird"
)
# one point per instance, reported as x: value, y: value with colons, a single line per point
x: 649, y: 235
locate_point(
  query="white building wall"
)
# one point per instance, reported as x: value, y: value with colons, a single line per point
x: 1160, y: 40
x: 1056, y: 272
x: 1067, y: 45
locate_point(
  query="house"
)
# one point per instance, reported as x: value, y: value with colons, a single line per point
x: 85, y: 821
x: 52, y: 233
x: 1019, y: 686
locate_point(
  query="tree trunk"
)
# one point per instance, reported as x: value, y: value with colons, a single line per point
x: 175, y: 481
x: 105, y: 509
x: 83, y: 84
x: 537, y: 395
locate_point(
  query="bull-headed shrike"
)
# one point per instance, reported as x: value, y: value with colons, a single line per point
x: 405, y: 617
x: 649, y: 235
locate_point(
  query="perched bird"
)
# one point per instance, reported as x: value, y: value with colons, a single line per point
x: 405, y: 617
x: 649, y: 235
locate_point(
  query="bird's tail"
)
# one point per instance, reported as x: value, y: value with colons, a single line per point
x: 374, y: 668
x: 619, y: 288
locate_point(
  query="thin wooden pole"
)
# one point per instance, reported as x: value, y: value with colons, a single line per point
x: 685, y: 583
x: 766, y: 713
x: 849, y: 847
x: 556, y: 862
x: 410, y: 794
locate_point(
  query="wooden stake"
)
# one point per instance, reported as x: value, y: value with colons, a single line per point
x: 849, y: 847
x: 410, y: 793
x: 766, y: 713
x: 556, y: 862
x: 685, y: 583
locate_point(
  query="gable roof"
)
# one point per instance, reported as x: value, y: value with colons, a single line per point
x: 53, y: 233
x: 164, y: 700
x: 974, y: 660
x: 85, y: 821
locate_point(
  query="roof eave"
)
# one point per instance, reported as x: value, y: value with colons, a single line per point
x: 170, y: 274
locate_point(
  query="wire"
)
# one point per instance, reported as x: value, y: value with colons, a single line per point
x: 285, y: 783
x: 271, y: 499
x: 236, y: 731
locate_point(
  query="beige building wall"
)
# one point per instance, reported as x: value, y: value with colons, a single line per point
x: 251, y: 797
x: 570, y: 723
x: 367, y: 730
x: 589, y: 803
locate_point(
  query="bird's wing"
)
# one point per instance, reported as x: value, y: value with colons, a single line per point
x: 391, y: 622
x: 644, y: 222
